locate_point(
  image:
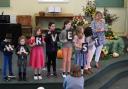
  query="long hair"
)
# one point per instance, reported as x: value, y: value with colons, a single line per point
x: 88, y: 31
x: 66, y: 22
x: 80, y: 32
x: 36, y: 29
x: 98, y: 12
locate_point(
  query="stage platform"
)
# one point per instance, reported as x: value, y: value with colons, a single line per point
x: 56, y: 83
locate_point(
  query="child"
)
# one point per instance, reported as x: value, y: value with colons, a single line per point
x: 37, y: 54
x: 22, y: 53
x: 51, y: 48
x: 75, y: 80
x: 66, y: 47
x: 80, y: 56
x: 7, y: 49
x: 98, y: 28
x: 91, y: 44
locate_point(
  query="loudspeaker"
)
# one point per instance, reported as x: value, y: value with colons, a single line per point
x: 4, y: 18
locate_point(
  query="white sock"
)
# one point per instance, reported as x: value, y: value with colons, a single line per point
x: 82, y: 71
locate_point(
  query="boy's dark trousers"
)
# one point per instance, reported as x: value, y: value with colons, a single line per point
x: 7, y: 64
x: 51, y: 61
x: 22, y: 63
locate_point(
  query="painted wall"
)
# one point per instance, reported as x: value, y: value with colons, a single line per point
x: 30, y: 7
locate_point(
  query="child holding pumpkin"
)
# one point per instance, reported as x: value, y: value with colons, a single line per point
x: 66, y: 47
x: 37, y: 53
x: 51, y: 39
x: 80, y: 56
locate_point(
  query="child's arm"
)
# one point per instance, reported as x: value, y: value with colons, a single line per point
x: 76, y: 44
x: 27, y: 50
x: 93, y: 26
x: 90, y: 41
x: 62, y: 37
x: 1, y: 49
x: 2, y: 46
x: 17, y: 50
x: 94, y: 29
x: 32, y: 41
x: 103, y: 29
x: 46, y: 39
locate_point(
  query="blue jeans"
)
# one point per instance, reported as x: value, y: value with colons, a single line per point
x: 7, y: 64
x: 22, y: 64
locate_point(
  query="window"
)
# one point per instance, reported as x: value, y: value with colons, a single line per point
x: 4, y: 3
x: 52, y: 0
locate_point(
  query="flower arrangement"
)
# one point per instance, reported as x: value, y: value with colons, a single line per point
x: 89, y: 9
x: 109, y: 18
x: 79, y: 21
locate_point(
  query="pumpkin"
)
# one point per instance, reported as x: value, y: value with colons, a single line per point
x: 115, y: 55
x: 59, y: 54
x: 105, y: 50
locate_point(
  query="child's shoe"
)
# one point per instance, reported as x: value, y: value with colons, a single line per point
x: 35, y: 77
x: 86, y: 72
x: 90, y: 70
x: 48, y: 74
x: 63, y: 75
x: 39, y: 77
x: 20, y: 76
x: 24, y: 76
x: 55, y: 74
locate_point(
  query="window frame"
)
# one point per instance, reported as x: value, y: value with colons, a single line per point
x: 53, y: 1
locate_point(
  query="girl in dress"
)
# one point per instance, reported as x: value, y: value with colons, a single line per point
x: 37, y: 54
x: 98, y: 29
x: 66, y: 48
x: 80, y: 56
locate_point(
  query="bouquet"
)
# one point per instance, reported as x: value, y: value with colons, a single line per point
x: 89, y: 9
x: 109, y: 18
x: 79, y: 21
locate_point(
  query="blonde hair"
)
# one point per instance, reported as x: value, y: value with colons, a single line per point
x: 98, y: 12
x: 22, y: 37
x: 79, y: 31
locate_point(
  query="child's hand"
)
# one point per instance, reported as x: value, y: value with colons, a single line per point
x: 33, y: 44
x: 26, y: 53
x: 5, y: 49
x: 18, y: 52
x: 98, y: 30
x: 102, y: 30
x: 78, y: 45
